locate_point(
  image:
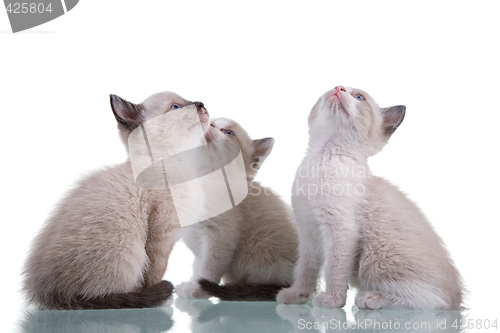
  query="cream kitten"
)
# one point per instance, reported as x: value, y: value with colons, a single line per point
x: 252, y: 246
x: 359, y: 227
x: 107, y: 243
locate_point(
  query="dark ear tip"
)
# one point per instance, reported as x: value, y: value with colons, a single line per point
x: 398, y: 108
x: 269, y: 139
x: 266, y: 141
x: 113, y: 98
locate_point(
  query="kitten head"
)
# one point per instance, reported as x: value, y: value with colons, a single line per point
x: 351, y: 119
x: 254, y: 151
x: 130, y: 115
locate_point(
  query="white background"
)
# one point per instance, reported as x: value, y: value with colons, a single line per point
x: 263, y: 64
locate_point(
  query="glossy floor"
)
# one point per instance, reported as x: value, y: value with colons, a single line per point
x: 185, y: 315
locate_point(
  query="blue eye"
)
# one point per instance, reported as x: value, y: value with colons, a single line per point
x: 175, y: 106
x: 360, y: 97
x: 228, y: 132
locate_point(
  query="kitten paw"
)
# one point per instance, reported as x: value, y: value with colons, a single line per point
x: 293, y: 296
x: 190, y: 289
x: 325, y: 300
x: 371, y: 300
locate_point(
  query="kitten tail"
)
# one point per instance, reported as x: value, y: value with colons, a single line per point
x: 146, y: 297
x: 249, y: 292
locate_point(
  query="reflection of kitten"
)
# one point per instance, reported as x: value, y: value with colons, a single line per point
x: 107, y: 243
x: 110, y: 321
x: 233, y: 316
x: 252, y: 246
x: 314, y: 319
x: 361, y: 228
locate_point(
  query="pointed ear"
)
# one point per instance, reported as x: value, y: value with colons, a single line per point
x: 261, y: 150
x: 393, y: 117
x: 127, y: 114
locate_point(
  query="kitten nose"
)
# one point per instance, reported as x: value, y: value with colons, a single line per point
x: 199, y: 105
x: 339, y: 88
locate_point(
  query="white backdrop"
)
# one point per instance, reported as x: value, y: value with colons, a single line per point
x: 263, y: 64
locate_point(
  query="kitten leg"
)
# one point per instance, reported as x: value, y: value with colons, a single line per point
x: 191, y: 288
x: 216, y: 256
x: 162, y: 236
x: 307, y: 269
x: 192, y: 237
x: 339, y: 242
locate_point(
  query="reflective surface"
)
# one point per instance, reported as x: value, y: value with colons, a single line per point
x: 134, y: 320
x: 186, y: 315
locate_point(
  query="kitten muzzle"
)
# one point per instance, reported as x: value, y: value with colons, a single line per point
x: 202, y: 112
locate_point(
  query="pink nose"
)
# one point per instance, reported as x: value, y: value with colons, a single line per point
x: 339, y: 88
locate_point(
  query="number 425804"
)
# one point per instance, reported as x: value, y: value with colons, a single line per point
x: 28, y: 7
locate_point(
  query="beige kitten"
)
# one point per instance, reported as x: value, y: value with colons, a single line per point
x: 107, y: 243
x: 361, y: 228
x: 253, y: 246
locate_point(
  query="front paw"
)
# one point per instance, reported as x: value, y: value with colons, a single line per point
x: 372, y: 300
x: 190, y: 289
x: 293, y: 296
x: 325, y: 300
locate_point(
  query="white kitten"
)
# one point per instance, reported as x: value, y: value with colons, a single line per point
x: 361, y: 228
x: 252, y: 246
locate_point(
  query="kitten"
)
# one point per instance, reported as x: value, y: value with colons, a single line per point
x: 107, y: 243
x: 361, y: 228
x: 253, y: 246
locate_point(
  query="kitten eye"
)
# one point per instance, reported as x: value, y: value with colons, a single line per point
x: 175, y: 107
x: 360, y: 97
x: 225, y: 131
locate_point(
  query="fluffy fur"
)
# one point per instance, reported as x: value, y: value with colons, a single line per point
x: 108, y: 241
x: 252, y: 246
x: 360, y: 228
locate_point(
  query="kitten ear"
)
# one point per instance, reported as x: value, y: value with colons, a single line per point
x: 393, y: 117
x: 127, y: 114
x: 261, y: 150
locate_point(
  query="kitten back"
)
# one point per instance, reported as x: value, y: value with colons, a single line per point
x: 249, y: 292
x: 146, y: 297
